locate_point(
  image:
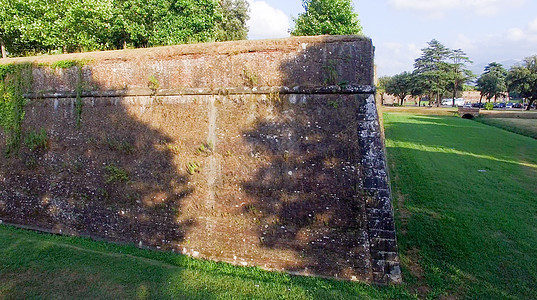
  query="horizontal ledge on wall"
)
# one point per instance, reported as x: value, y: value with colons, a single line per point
x: 333, y: 89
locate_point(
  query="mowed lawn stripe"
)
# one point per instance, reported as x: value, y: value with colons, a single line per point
x: 467, y: 206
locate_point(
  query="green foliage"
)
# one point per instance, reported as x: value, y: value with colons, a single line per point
x: 250, y: 79
x: 36, y: 140
x: 204, y: 149
x: 79, y: 103
x: 331, y: 75
x: 193, y: 167
x: 492, y: 83
x: 153, y: 83
x: 14, y: 81
x: 232, y: 24
x: 333, y: 104
x: 84, y: 25
x: 400, y: 85
x: 116, y: 174
x: 432, y: 70
x: 489, y: 106
x: 522, y: 79
x: 64, y: 64
x: 333, y: 17
x: 121, y: 146
x: 458, y: 74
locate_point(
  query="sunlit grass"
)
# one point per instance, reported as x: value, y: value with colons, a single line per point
x: 527, y: 127
x: 466, y: 197
x: 466, y: 209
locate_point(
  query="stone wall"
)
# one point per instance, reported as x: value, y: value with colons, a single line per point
x: 264, y: 153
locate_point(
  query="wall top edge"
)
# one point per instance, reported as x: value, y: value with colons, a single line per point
x: 214, y: 48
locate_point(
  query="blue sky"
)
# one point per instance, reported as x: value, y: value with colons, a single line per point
x: 487, y: 30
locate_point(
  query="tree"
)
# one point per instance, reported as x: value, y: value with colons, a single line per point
x: 522, y: 79
x: 381, y: 86
x: 459, y: 75
x: 400, y: 85
x: 334, y: 17
x: 232, y: 25
x: 433, y: 70
x: 492, y: 83
x: 37, y: 26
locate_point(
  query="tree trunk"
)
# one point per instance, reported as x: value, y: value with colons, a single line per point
x: 530, y: 102
x: 454, y: 94
x: 3, y: 46
x: 481, y: 99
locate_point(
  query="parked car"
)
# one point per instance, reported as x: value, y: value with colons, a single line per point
x: 449, y: 102
x: 478, y: 105
x: 509, y: 105
x: 517, y: 105
x: 499, y: 105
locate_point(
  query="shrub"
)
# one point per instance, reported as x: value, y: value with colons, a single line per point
x: 489, y: 106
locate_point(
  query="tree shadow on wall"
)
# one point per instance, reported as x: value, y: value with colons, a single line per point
x: 113, y: 177
x: 309, y: 194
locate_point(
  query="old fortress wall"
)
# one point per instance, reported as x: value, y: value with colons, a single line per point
x: 265, y: 153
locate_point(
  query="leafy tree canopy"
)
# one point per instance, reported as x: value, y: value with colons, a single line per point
x: 492, y: 83
x: 232, y: 25
x: 522, y: 79
x: 38, y: 26
x: 400, y: 85
x: 334, y: 17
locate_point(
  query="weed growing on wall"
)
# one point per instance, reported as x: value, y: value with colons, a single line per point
x: 79, y: 103
x: 116, y: 174
x: 250, y: 79
x: 153, y: 83
x: 36, y: 140
x: 193, y: 167
x: 331, y: 74
x: 14, y: 81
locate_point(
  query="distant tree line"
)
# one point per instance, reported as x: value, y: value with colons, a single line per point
x: 38, y: 26
x: 441, y: 71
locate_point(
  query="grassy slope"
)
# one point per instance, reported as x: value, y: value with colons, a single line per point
x: 462, y: 233
x: 42, y: 266
x: 467, y: 206
x: 527, y: 127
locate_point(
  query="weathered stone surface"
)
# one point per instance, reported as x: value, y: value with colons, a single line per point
x: 264, y: 153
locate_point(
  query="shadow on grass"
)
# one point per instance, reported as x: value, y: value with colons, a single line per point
x: 57, y: 267
x: 466, y: 207
x: 112, y: 178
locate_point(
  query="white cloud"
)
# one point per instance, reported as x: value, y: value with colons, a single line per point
x: 527, y: 34
x: 266, y: 21
x: 438, y: 8
x: 393, y: 58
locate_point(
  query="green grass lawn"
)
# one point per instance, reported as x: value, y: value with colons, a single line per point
x: 43, y: 266
x: 466, y: 199
x: 527, y: 127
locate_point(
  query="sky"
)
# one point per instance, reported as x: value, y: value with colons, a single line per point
x: 503, y: 31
